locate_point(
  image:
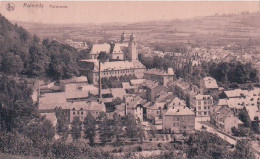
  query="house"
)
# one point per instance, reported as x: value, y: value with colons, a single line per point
x: 208, y: 85
x: 111, y: 93
x: 121, y: 110
x: 161, y: 76
x: 81, y: 109
x: 181, y: 88
x: 97, y: 48
x: 134, y: 107
x: 222, y: 102
x: 155, y: 110
x: 129, y: 88
x: 73, y: 84
x: 154, y: 90
x: 179, y: 120
x: 236, y: 93
x: 138, y: 84
x: 201, y: 104
x: 224, y: 118
x: 176, y: 103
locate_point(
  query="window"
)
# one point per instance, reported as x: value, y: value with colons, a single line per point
x: 78, y: 113
x: 205, y: 113
x: 199, y: 108
x: 199, y: 113
x: 73, y: 113
x: 81, y: 113
x: 205, y: 107
x: 199, y: 102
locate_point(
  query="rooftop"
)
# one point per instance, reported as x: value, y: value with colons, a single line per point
x: 201, y: 97
x: 83, y: 105
x: 75, y: 80
x: 235, y: 93
x: 177, y: 102
x: 210, y: 82
x: 118, y: 65
x: 97, y: 48
x: 137, y: 81
x: 179, y: 111
x: 120, y: 48
x: 150, y: 84
x: 160, y: 72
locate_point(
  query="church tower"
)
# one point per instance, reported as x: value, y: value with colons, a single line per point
x: 132, y: 51
x: 122, y: 40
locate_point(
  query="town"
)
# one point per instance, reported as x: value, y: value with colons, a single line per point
x: 160, y: 102
x: 125, y: 95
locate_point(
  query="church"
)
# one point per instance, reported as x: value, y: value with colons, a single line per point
x: 123, y: 60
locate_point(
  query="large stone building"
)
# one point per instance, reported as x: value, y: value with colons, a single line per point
x: 179, y: 120
x: 161, y: 76
x: 208, y: 85
x: 123, y: 61
x: 153, y: 90
x: 224, y: 118
x: 202, y: 104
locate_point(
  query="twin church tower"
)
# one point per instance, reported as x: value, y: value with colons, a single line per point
x: 122, y: 50
x: 132, y: 47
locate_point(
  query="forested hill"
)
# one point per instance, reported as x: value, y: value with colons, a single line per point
x: 22, y: 53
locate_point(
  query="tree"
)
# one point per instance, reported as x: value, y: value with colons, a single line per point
x: 101, y: 117
x: 90, y: 128
x: 63, y: 126
x: 116, y: 101
x: 243, y: 150
x: 40, y: 131
x: 132, y: 130
x: 117, y: 129
x: 36, y: 39
x: 16, y: 106
x: 206, y: 145
x: 240, y: 131
x: 141, y: 132
x: 244, y: 117
x: 105, y: 129
x: 103, y: 56
x: 38, y: 59
x: 76, y: 127
x: 11, y: 64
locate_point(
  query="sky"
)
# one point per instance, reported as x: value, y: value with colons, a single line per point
x: 119, y: 11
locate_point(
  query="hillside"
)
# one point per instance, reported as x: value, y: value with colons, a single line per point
x: 26, y: 54
x: 210, y: 29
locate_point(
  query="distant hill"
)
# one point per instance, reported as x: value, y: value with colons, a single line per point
x: 210, y: 29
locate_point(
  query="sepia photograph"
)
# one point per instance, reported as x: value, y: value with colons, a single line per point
x: 129, y: 79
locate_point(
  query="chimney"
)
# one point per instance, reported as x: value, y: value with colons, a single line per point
x: 125, y: 109
x: 99, y: 77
